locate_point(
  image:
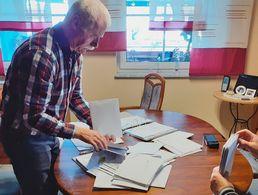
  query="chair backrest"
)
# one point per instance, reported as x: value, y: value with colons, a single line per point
x: 153, y: 93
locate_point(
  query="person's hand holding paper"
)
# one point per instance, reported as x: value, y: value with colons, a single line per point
x: 105, y: 117
x: 248, y: 141
x: 83, y: 132
x: 95, y: 138
x: 218, y: 182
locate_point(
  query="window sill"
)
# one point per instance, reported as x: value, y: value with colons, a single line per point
x: 135, y: 74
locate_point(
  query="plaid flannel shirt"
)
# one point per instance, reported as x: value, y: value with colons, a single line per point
x: 42, y: 81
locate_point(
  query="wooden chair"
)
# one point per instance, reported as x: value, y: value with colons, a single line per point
x: 153, y: 93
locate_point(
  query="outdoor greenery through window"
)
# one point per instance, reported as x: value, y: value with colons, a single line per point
x: 152, y: 50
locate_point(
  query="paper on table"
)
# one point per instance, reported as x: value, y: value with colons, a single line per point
x: 125, y: 114
x: 139, y: 168
x: 104, y: 180
x: 145, y: 148
x: 228, y: 154
x: 133, y: 121
x: 129, y: 184
x: 160, y: 180
x: 183, y: 134
x: 150, y: 131
x: 82, y: 160
x: 105, y: 117
x: 83, y: 147
x: 178, y: 144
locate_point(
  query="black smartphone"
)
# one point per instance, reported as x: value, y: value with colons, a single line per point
x: 210, y: 140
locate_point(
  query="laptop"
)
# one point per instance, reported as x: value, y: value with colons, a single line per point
x: 248, y: 81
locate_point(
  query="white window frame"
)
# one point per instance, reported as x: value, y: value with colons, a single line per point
x: 140, y: 69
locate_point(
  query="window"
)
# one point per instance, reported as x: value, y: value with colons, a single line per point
x: 29, y: 12
x: 156, y: 49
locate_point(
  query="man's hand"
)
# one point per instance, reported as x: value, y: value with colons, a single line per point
x: 218, y: 182
x: 248, y: 141
x: 110, y: 138
x: 98, y: 141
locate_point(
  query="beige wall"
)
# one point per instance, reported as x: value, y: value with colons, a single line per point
x: 192, y: 96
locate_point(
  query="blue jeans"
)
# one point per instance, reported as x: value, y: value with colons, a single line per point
x: 33, y: 160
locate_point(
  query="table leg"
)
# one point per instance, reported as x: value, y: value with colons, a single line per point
x: 238, y: 120
x: 233, y: 128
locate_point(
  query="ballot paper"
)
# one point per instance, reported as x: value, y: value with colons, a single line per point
x: 160, y: 180
x: 133, y: 121
x: 139, y: 170
x: 106, y: 160
x: 145, y: 148
x: 105, y: 117
x: 178, y: 144
x: 82, y: 146
x: 150, y: 131
x: 228, y: 154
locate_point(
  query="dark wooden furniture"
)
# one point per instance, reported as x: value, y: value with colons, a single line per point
x: 189, y: 174
x: 236, y: 116
x: 153, y: 93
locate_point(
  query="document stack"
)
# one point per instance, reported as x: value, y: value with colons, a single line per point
x: 228, y: 154
x: 82, y: 147
x: 138, y: 171
x: 150, y: 131
x: 145, y: 166
x: 104, y: 161
x: 133, y: 121
x: 179, y: 144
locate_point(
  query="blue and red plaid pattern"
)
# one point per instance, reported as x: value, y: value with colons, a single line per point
x: 42, y: 81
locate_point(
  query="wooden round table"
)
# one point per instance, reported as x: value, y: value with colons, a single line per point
x: 189, y: 174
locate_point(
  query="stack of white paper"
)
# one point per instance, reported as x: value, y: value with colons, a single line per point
x: 145, y: 148
x: 228, y: 154
x: 112, y: 172
x: 179, y: 144
x: 83, y: 147
x: 160, y: 180
x: 106, y: 160
x: 82, y: 160
x: 133, y: 121
x: 137, y: 171
x: 150, y: 131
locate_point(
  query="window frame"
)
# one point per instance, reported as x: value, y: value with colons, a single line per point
x: 140, y: 69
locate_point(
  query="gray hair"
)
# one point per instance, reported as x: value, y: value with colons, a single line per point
x: 92, y: 13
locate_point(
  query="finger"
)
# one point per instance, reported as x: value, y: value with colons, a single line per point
x: 101, y: 141
x: 245, y: 134
x: 113, y: 138
x: 107, y: 137
x: 244, y: 144
x: 95, y: 145
x: 216, y: 169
